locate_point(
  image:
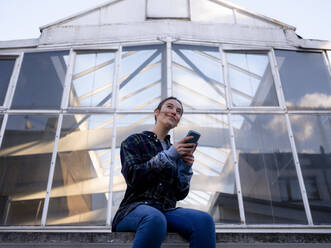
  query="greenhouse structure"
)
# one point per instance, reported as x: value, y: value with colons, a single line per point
x: 259, y: 94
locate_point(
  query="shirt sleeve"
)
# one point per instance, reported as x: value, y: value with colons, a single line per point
x: 137, y: 166
x: 184, y: 175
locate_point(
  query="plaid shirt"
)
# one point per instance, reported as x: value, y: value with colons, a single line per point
x: 153, y: 176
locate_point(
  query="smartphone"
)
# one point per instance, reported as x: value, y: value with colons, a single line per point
x: 195, y: 135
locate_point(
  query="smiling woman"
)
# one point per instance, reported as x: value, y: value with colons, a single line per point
x: 158, y: 175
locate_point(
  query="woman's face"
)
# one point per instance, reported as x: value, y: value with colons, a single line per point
x: 170, y: 113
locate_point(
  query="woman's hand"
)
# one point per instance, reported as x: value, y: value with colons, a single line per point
x: 186, y: 150
x: 188, y: 159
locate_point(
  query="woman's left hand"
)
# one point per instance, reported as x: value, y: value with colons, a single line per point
x: 189, y: 158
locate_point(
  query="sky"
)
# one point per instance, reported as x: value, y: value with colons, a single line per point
x: 21, y: 19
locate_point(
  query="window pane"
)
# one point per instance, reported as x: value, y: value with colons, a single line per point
x: 81, y: 181
x: 93, y: 80
x: 41, y: 80
x: 6, y: 69
x: 305, y: 79
x: 268, y: 177
x: 25, y: 157
x: 141, y: 77
x: 126, y: 125
x: 251, y: 80
x: 313, y: 142
x: 213, y: 186
x: 197, y: 77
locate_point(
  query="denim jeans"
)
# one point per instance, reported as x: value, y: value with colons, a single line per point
x: 151, y: 226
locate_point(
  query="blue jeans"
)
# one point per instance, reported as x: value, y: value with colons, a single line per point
x: 151, y: 226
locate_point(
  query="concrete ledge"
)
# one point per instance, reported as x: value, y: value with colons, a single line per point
x: 229, y: 240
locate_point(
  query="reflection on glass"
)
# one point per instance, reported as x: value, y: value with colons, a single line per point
x: 313, y: 143
x: 141, y: 77
x: 305, y: 79
x: 213, y: 186
x: 41, y: 80
x: 92, y: 80
x: 251, y: 80
x: 126, y: 125
x: 268, y: 177
x: 6, y: 69
x: 81, y: 181
x: 197, y: 77
x: 25, y: 158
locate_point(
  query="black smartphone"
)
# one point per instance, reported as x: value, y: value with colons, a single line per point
x: 195, y: 135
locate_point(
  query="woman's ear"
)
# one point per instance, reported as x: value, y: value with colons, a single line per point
x: 156, y: 113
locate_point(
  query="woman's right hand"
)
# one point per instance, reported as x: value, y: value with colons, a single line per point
x: 185, y: 148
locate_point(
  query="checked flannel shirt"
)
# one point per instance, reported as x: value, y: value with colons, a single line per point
x: 154, y: 176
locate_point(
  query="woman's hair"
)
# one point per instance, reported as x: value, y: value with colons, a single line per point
x: 166, y: 99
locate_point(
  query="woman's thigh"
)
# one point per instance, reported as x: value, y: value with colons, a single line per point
x: 185, y: 221
x: 136, y: 217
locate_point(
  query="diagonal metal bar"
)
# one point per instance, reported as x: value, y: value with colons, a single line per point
x: 197, y: 70
x: 238, y: 92
x: 140, y: 121
x: 92, y: 69
x: 139, y: 90
x: 208, y: 156
x: 148, y: 102
x: 197, y: 93
x: 96, y: 91
x: 251, y: 74
x: 206, y: 166
x: 97, y: 67
x: 208, y: 56
x: 125, y: 82
x: 195, y: 73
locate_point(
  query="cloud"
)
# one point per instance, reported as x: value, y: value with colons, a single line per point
x: 315, y: 100
x: 277, y: 124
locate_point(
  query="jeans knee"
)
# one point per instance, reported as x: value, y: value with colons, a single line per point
x: 206, y: 221
x: 156, y: 222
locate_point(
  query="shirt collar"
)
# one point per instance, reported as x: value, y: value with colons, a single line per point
x: 153, y: 136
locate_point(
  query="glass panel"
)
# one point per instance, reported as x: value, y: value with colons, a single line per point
x: 251, y: 80
x: 126, y: 125
x: 41, y: 80
x: 6, y: 69
x: 81, y: 181
x: 305, y: 79
x: 1, y: 118
x: 313, y: 142
x: 25, y: 157
x: 268, y: 177
x: 213, y: 186
x: 93, y: 80
x: 141, y: 77
x: 197, y: 77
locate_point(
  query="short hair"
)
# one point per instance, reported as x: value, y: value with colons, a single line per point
x: 166, y: 99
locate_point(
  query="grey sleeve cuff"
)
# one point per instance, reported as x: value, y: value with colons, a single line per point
x: 172, y: 153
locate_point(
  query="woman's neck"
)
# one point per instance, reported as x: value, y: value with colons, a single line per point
x: 160, y: 132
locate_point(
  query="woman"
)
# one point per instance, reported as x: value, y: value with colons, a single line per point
x: 158, y: 175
